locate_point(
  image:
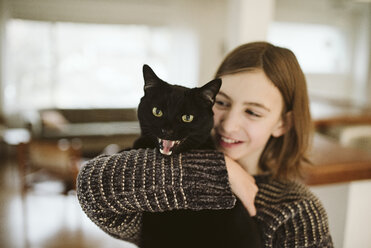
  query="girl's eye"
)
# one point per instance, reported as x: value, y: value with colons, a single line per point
x: 157, y: 112
x: 252, y: 113
x: 187, y: 118
x: 221, y: 103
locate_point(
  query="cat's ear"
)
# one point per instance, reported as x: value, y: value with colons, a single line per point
x: 209, y: 90
x: 150, y: 78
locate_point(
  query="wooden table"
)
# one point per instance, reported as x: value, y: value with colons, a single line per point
x: 333, y: 163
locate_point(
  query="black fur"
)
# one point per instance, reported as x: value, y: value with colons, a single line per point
x: 186, y: 228
x: 175, y: 101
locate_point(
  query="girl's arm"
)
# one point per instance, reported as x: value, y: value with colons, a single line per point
x: 242, y: 184
x: 291, y: 215
x: 308, y: 228
x: 114, y: 190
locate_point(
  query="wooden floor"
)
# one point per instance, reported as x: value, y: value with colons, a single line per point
x: 45, y: 218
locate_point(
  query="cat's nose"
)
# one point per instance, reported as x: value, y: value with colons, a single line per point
x: 167, y: 132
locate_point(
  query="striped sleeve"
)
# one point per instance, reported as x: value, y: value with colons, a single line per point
x: 114, y: 190
x: 292, y: 216
x: 307, y: 227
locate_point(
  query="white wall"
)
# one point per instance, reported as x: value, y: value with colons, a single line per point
x: 248, y: 20
x: 2, y: 38
x: 353, y: 19
x: 335, y: 200
x: 348, y: 207
x: 362, y: 55
x: 357, y: 229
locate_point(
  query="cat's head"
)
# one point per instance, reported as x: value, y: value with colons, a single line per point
x: 178, y: 118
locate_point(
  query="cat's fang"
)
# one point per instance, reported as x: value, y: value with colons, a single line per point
x: 166, y: 153
x: 166, y: 146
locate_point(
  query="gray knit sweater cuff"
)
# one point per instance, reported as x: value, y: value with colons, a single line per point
x: 207, y: 185
x: 145, y: 180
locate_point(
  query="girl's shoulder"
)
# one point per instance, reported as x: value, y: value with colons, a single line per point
x: 275, y: 191
x: 284, y: 205
x: 285, y: 197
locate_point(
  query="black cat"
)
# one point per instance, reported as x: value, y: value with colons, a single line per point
x: 176, y: 119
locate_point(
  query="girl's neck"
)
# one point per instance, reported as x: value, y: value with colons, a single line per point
x: 250, y: 165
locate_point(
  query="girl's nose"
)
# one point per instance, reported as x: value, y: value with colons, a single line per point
x: 231, y: 121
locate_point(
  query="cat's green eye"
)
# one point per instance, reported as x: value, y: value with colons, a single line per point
x: 157, y: 112
x: 187, y: 118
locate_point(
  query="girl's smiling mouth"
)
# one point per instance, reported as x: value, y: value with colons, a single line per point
x: 227, y: 142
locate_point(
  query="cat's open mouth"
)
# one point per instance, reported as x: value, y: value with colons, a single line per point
x: 166, y: 146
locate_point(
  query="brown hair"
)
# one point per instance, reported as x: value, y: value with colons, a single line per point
x: 282, y: 156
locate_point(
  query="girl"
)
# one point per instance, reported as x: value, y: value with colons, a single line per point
x: 262, y: 130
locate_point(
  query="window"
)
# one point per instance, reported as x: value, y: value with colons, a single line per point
x: 320, y: 49
x: 76, y: 65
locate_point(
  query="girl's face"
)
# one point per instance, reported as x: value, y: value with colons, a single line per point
x: 247, y: 112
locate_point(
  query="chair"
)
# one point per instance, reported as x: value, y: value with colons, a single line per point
x: 357, y: 136
x: 48, y: 161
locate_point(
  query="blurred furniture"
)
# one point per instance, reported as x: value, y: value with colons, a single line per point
x: 337, y: 125
x: 48, y: 162
x: 358, y: 136
x: 341, y: 172
x: 335, y: 163
x: 41, y: 161
x: 330, y: 110
x: 11, y: 137
x: 2, y: 142
x: 15, y: 136
x: 341, y: 149
x: 95, y: 128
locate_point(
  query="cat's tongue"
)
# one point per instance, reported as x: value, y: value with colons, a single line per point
x: 166, y: 147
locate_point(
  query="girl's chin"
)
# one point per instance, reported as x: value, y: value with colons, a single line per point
x: 230, y: 154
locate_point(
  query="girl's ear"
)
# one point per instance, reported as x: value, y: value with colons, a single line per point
x: 284, y: 125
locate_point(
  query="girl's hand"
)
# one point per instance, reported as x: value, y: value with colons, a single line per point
x: 242, y: 184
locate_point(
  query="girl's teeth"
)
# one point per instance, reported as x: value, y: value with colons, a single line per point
x: 230, y: 141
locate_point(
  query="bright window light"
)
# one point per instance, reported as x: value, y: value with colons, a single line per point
x: 320, y: 49
x: 75, y: 65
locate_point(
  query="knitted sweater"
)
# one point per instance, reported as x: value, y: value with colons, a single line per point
x: 115, y: 190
